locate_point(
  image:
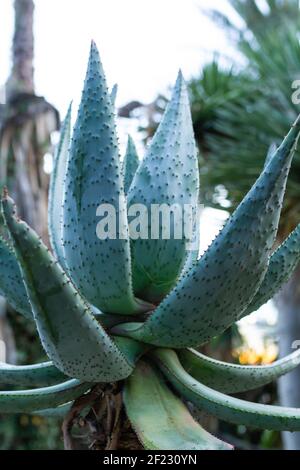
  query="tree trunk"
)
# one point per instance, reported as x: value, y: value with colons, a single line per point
x: 26, y: 127
x: 21, y: 79
x: 288, y: 303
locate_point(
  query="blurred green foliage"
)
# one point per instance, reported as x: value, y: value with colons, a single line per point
x: 250, y: 105
x: 23, y: 432
x: 240, y: 110
x: 28, y: 432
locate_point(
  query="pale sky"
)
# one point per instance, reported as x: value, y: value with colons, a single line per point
x: 142, y: 44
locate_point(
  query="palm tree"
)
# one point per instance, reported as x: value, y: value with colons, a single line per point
x: 26, y: 124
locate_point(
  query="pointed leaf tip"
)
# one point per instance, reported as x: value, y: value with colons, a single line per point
x: 180, y: 76
x: 69, y: 111
x: 93, y: 44
x: 113, y: 94
x: 167, y: 176
x: 130, y: 164
x: 297, y: 122
x: 180, y: 84
x: 8, y: 205
x: 130, y: 141
x: 93, y: 180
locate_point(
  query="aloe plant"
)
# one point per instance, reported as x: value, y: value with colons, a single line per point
x: 132, y: 311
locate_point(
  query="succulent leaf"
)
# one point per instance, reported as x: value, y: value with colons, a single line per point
x: 131, y: 349
x: 217, y: 289
x: 71, y: 336
x: 11, y: 283
x: 56, y: 190
x: 130, y: 163
x: 223, y: 406
x: 107, y: 320
x: 59, y: 412
x: 100, y: 268
x: 234, y: 378
x: 283, y: 263
x: 113, y: 94
x: 160, y: 419
x: 168, y: 175
x: 43, y: 375
x: 193, y: 253
x: 271, y: 152
x: 25, y: 401
x: 85, y: 300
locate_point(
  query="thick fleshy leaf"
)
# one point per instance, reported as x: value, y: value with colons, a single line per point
x: 98, y: 263
x: 46, y: 374
x: 113, y: 94
x: 11, y: 283
x: 283, y: 263
x: 107, y: 320
x: 214, y: 293
x: 160, y: 419
x: 130, y: 163
x: 193, y: 254
x: 59, y: 412
x: 56, y: 190
x: 25, y: 401
x: 224, y: 406
x: 270, y: 154
x: 167, y: 177
x: 71, y: 336
x: 131, y: 349
x: 42, y: 375
x: 234, y: 378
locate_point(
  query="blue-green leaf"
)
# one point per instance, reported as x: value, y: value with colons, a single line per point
x: 282, y: 264
x: 100, y: 268
x: 160, y: 419
x: 271, y: 152
x: 70, y: 334
x: 223, y: 406
x: 113, y: 94
x: 56, y: 190
x: 130, y: 164
x: 11, y: 283
x: 216, y: 291
x: 168, y: 177
x: 42, y: 375
x: 234, y: 378
x: 25, y: 401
